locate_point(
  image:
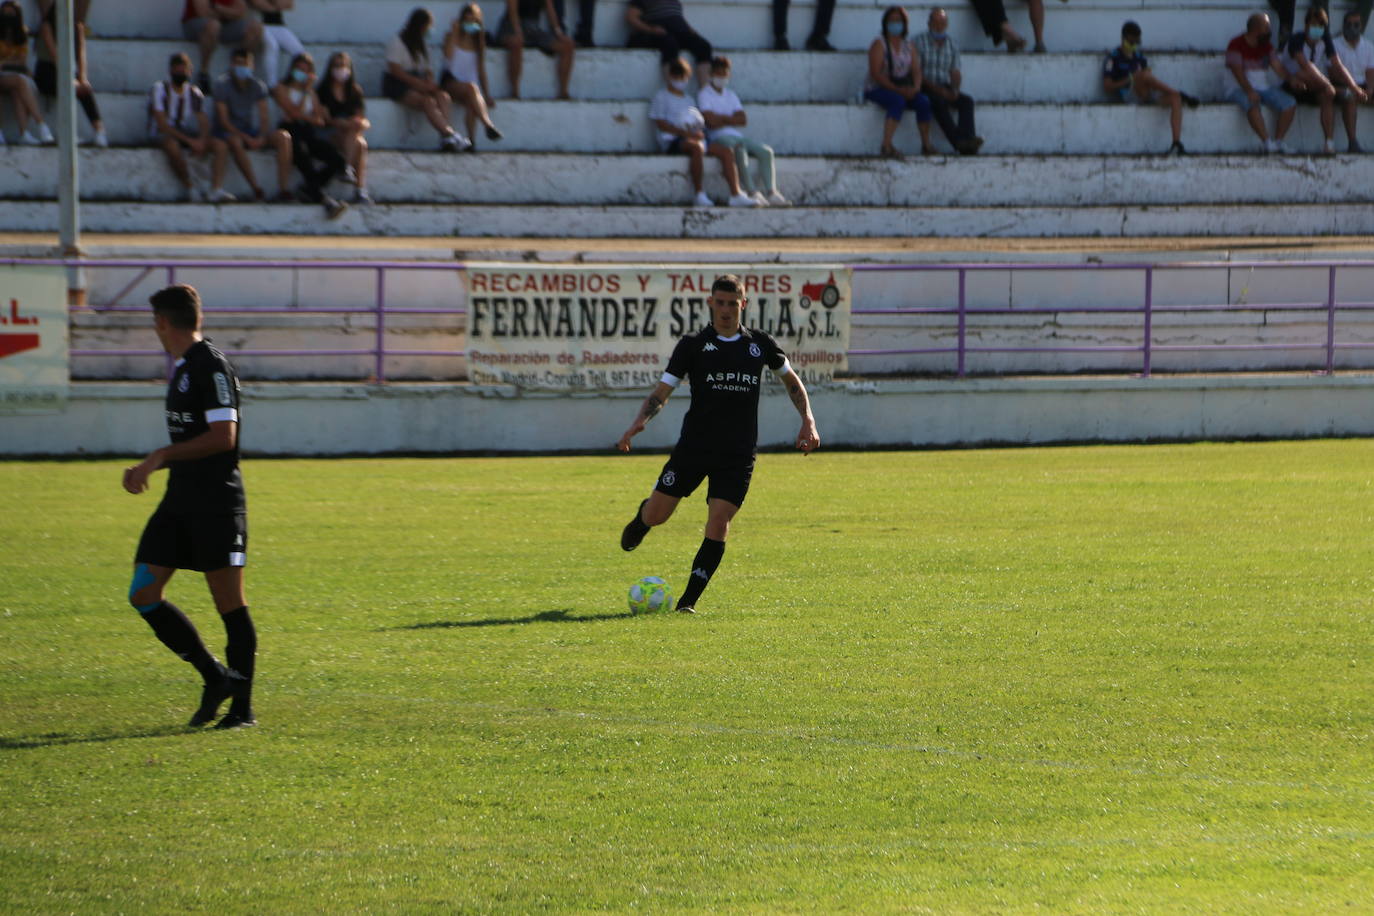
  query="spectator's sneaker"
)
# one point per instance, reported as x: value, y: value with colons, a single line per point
x: 1268, y: 147
x: 45, y: 134
x: 1328, y: 148
x: 701, y: 200
x: 1353, y: 148
x: 1176, y: 149
x: 759, y: 199
x: 232, y: 720
x: 221, y: 196
x: 583, y: 39
x: 454, y: 143
x: 1039, y: 48
x: 349, y: 176
x: 28, y: 139
x: 284, y: 197
x: 361, y: 196
x: 1280, y: 148
x: 818, y: 43
x: 102, y: 140
x: 780, y: 43
x: 333, y: 208
x: 1015, y: 45
x: 775, y: 199
x: 493, y: 133
x: 742, y: 200
x: 1191, y: 101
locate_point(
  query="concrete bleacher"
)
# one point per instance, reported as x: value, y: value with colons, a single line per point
x: 1058, y: 160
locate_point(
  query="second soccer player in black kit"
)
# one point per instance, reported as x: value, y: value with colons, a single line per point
x: 724, y: 364
x: 201, y: 523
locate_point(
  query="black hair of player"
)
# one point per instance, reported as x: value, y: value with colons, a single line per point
x: 728, y: 283
x: 179, y: 304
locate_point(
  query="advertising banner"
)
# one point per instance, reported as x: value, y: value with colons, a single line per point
x: 571, y: 328
x: 33, y: 340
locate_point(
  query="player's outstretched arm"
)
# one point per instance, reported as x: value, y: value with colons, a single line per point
x: 220, y: 437
x: 647, y: 411
x: 808, y: 440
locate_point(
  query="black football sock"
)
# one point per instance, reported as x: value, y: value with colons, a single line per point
x: 703, y: 567
x: 240, y: 655
x: 177, y: 633
x: 637, y: 525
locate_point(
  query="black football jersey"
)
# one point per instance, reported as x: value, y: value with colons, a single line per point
x: 203, y: 390
x: 726, y: 376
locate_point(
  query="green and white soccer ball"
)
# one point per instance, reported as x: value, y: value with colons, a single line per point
x: 649, y: 596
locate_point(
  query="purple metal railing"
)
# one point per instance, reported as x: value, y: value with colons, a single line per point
x: 961, y: 310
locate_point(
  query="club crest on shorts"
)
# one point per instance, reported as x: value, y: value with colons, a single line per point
x: 754, y: 350
x: 183, y: 383
x: 669, y: 478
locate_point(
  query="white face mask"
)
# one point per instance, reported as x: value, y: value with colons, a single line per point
x: 341, y: 74
x: 720, y: 82
x: 679, y: 85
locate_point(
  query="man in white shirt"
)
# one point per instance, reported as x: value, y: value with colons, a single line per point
x: 724, y: 115
x: 1357, y: 54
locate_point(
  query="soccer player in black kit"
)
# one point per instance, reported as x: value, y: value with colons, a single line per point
x: 724, y: 364
x: 201, y: 523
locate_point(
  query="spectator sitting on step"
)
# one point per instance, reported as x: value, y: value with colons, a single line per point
x: 302, y: 117
x: 940, y: 82
x: 1256, y: 74
x: 661, y: 24
x: 178, y: 123
x: 45, y: 70
x: 724, y: 115
x: 1307, y: 59
x: 409, y: 79
x: 276, y: 37
x: 993, y: 16
x: 894, y: 81
x: 1127, y: 77
x: 14, y: 75
x: 586, y: 21
x: 211, y: 23
x: 465, y: 70
x: 818, y: 40
x: 1357, y: 54
x: 682, y: 129
x: 346, y: 120
x: 520, y: 26
x: 241, y: 120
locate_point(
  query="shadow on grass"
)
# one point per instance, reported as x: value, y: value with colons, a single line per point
x: 563, y: 616
x: 58, y: 739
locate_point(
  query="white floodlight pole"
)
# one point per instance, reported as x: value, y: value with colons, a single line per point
x: 68, y: 174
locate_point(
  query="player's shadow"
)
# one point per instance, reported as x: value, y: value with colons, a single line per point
x: 559, y: 616
x: 8, y: 743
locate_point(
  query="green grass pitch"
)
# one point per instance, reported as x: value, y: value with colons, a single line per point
x: 1070, y: 680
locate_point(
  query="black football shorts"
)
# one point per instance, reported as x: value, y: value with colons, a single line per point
x: 729, y: 476
x: 200, y: 541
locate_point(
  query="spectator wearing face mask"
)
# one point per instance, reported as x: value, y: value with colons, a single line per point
x: 941, y: 79
x: 681, y: 129
x: 178, y: 123
x: 277, y: 39
x: 1127, y: 77
x: 1357, y: 54
x: 724, y: 116
x: 240, y: 101
x: 409, y: 80
x: 302, y: 117
x: 15, y: 81
x: 1256, y: 78
x: 346, y: 120
x: 894, y: 81
x: 1314, y: 70
x: 1287, y: 12
x: 45, y: 70
x: 465, y: 71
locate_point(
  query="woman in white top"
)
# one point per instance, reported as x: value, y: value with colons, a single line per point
x: 302, y: 116
x: 409, y: 80
x: 465, y: 70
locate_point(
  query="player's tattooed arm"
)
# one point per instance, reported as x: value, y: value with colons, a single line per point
x: 808, y: 440
x: 647, y: 411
